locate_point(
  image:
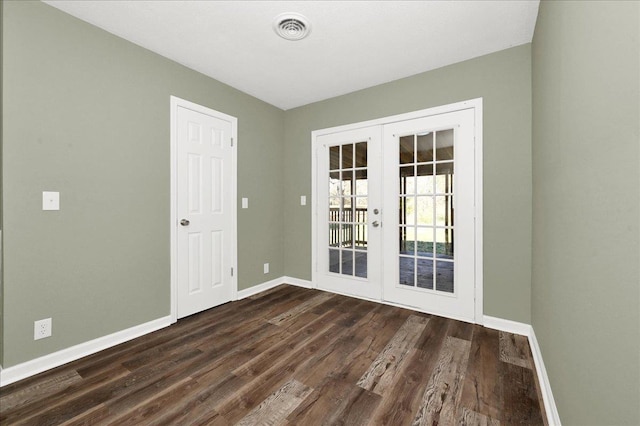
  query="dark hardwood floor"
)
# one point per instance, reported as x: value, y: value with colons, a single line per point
x: 292, y: 356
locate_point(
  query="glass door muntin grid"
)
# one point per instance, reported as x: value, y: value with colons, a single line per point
x: 426, y: 190
x: 348, y: 209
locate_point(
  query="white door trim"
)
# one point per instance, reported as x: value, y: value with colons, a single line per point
x: 476, y: 105
x: 176, y: 102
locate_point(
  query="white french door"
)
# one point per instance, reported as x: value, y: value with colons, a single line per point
x: 429, y: 214
x: 203, y: 219
x: 349, y: 191
x: 396, y: 203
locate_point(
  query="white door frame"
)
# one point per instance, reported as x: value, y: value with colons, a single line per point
x: 175, y: 103
x: 476, y: 105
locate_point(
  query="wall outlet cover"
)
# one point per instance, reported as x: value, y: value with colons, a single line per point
x: 50, y: 200
x: 266, y: 268
x: 42, y: 329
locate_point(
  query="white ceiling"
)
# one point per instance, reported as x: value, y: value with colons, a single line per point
x: 353, y: 44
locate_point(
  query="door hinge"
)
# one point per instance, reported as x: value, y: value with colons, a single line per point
x: 231, y: 141
x: 231, y: 271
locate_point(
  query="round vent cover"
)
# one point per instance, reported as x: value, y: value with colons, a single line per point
x: 291, y: 26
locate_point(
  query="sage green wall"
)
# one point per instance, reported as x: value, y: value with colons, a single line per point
x: 503, y: 80
x: 87, y: 114
x: 586, y: 213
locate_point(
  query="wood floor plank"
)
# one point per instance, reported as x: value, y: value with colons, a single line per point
x: 275, y: 409
x: 521, y: 404
x: 407, y: 392
x: 383, y: 370
x: 291, y: 356
x: 514, y: 349
x: 39, y: 390
x: 441, y: 397
x: 265, y: 382
x: 319, y: 406
x: 483, y: 387
x: 319, y: 298
x: 471, y: 418
x: 48, y: 407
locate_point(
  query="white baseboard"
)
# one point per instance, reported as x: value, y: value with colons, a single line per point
x: 47, y: 362
x: 545, y: 387
x: 259, y: 288
x: 507, y: 325
x: 553, y: 418
x: 297, y: 282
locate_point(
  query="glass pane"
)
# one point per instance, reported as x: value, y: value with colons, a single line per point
x: 334, y: 204
x: 347, y: 156
x: 425, y: 210
x: 444, y: 145
x: 407, y: 271
x: 425, y: 273
x: 334, y: 184
x: 444, y: 210
x: 360, y: 213
x: 334, y: 158
x: 407, y: 236
x: 334, y: 261
x: 407, y: 181
x: 347, y: 262
x: 424, y: 242
x: 361, y: 264
x: 334, y: 235
x: 424, y: 179
x: 360, y: 235
x: 444, y: 276
x: 407, y: 206
x: 444, y: 178
x: 361, y: 182
x: 406, y: 149
x: 346, y: 203
x: 361, y: 154
x: 347, y: 179
x: 444, y: 243
x: 424, y: 150
x: 346, y: 235
x: 362, y: 203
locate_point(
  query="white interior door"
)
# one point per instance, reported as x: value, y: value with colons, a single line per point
x: 205, y: 212
x: 348, y: 213
x: 429, y: 237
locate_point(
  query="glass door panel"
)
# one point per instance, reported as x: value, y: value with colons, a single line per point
x: 347, y: 197
x: 427, y: 210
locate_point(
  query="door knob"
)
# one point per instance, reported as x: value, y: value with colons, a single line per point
x: 184, y: 222
x: 375, y: 224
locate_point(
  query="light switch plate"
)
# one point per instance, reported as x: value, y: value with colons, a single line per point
x: 245, y: 203
x: 50, y: 200
x: 303, y: 200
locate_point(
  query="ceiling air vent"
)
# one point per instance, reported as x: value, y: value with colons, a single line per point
x: 291, y: 26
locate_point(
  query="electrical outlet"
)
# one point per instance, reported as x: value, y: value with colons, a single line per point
x: 266, y: 268
x: 42, y: 329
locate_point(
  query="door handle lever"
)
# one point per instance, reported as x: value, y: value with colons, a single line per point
x: 375, y: 224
